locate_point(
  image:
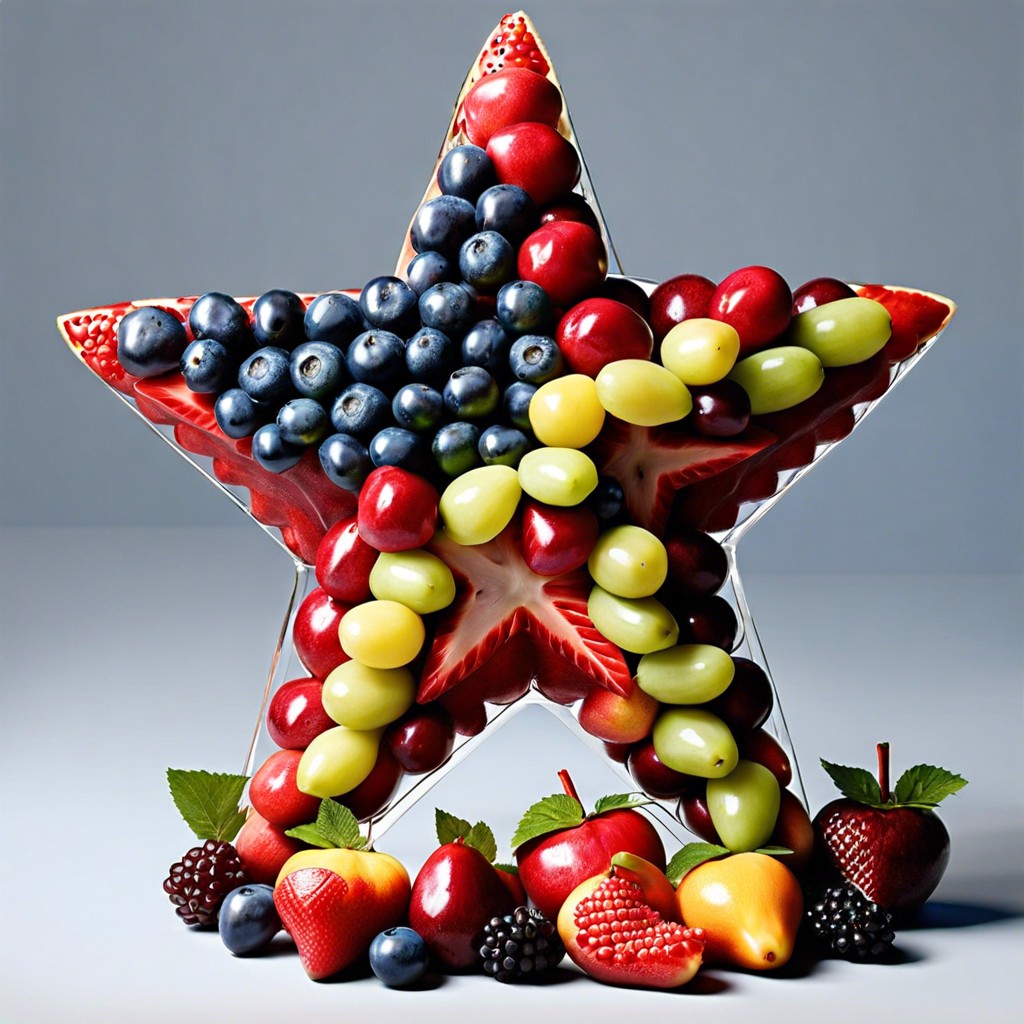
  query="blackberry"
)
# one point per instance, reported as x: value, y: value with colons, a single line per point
x: 201, y: 879
x: 520, y: 946
x: 846, y: 923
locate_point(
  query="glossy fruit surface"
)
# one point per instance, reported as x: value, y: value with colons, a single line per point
x: 680, y: 298
x: 566, y: 259
x: 639, y: 625
x: 655, y: 778
x: 381, y: 634
x: 374, y: 793
x: 721, y: 409
x: 277, y: 319
x: 536, y: 158
x: 628, y: 561
x: 695, y: 742
x: 744, y: 806
x: 750, y: 907
x: 697, y: 564
x: 597, y: 331
x: 399, y: 957
x: 508, y: 97
x: 263, y: 848
x: 465, y: 171
x: 296, y: 714
x: 843, y: 332
x: 150, y: 341
x: 218, y: 316
x: 397, y: 510
x: 360, y: 697
x: 566, y: 412
x: 274, y: 794
x: 778, y: 378
x: 757, y: 302
x: 315, y: 633
x: 818, y: 291
x: 422, y: 739
x: 762, y: 747
x: 641, y: 392
x: 686, y: 674
x: 335, y: 318
x: 557, y: 540
x: 747, y: 703
x: 557, y: 476
x: 344, y: 561
x: 417, y: 579
x: 478, y: 505
x: 700, y: 351
x: 337, y: 761
x: 616, y: 719
x: 248, y: 920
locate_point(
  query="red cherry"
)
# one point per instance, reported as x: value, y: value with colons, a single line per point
x: 274, y: 794
x: 653, y: 776
x: 597, y: 331
x: 757, y: 302
x: 557, y: 540
x: 819, y: 291
x: 344, y: 561
x: 566, y: 259
x: 374, y: 793
x: 710, y: 620
x: 509, y: 97
x: 618, y: 751
x: 747, y: 703
x: 629, y: 293
x: 697, y: 817
x: 697, y: 564
x: 680, y: 298
x: 422, y: 739
x: 296, y: 714
x: 571, y: 207
x: 763, y: 748
x: 397, y: 510
x: 536, y: 158
x: 315, y: 633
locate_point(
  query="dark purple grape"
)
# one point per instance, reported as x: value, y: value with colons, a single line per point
x: 720, y: 410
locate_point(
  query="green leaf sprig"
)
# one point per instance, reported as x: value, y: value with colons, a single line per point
x: 209, y: 802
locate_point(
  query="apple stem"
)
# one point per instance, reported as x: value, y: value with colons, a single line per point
x: 883, y: 770
x: 570, y: 789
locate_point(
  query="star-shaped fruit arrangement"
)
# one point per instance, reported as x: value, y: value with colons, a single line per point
x: 515, y: 478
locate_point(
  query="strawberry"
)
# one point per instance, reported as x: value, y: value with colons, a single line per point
x: 314, y: 907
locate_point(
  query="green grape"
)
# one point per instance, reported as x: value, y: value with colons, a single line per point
x: 688, y: 674
x: 843, y: 332
x: 628, y: 561
x: 360, y: 697
x: 337, y: 760
x: 778, y: 378
x: 478, y: 505
x: 700, y: 351
x: 641, y: 392
x: 557, y: 476
x: 640, y: 625
x: 417, y: 579
x: 744, y: 806
x: 695, y: 742
x: 565, y: 412
x: 381, y: 634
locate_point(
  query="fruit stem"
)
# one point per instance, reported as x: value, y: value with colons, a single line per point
x: 570, y: 789
x: 883, y: 770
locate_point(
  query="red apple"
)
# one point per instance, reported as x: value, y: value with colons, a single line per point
x: 397, y: 509
x: 536, y: 158
x: 274, y: 794
x: 422, y: 739
x: 571, y: 207
x: 263, y: 849
x: 819, y: 291
x: 512, y: 882
x: 597, y: 331
x: 374, y: 793
x: 757, y: 302
x: 344, y: 561
x: 680, y: 298
x: 557, y: 540
x: 566, y: 259
x: 747, y: 703
x: 654, y: 777
x: 315, y: 633
x: 296, y: 714
x: 510, y: 96
x: 616, y: 719
x: 763, y: 748
x: 552, y: 865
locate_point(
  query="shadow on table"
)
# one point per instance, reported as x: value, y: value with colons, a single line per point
x: 940, y: 914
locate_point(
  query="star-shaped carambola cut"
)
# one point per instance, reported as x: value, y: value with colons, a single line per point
x: 510, y: 633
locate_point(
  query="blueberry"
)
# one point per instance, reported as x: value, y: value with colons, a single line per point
x: 377, y: 358
x: 237, y: 414
x: 431, y: 356
x: 361, y: 410
x: 448, y: 308
x: 606, y: 499
x: 465, y: 171
x: 150, y: 341
x: 536, y: 359
x: 455, y: 448
x: 429, y: 268
x: 208, y: 367
x: 487, y: 261
x: 471, y: 393
x: 345, y: 461
x: 418, y: 407
x: 503, y: 446
x: 516, y: 404
x: 487, y: 344
x: 265, y: 376
x: 317, y: 369
x: 303, y: 421
x: 442, y: 225
x: 399, y: 957
x: 272, y: 451
x: 247, y: 919
x: 523, y: 308
x: 394, y: 446
x: 217, y: 316
x: 335, y: 318
x: 509, y: 210
x: 277, y: 319
x: 391, y: 305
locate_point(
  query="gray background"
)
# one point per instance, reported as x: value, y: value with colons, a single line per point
x: 152, y: 148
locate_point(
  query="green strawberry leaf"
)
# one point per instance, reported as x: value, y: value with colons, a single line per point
x: 551, y: 814
x: 335, y: 827
x: 209, y: 802
x: 509, y: 869
x: 855, y: 783
x: 450, y: 828
x: 481, y: 838
x: 689, y: 857
x: 926, y: 786
x: 620, y: 800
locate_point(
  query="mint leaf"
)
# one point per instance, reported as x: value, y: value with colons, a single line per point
x: 335, y: 828
x: 924, y: 786
x: 209, y: 802
x: 450, y: 828
x: 689, y: 857
x: 509, y: 869
x: 620, y: 800
x: 481, y: 838
x: 552, y: 814
x: 774, y: 851
x: 855, y: 783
